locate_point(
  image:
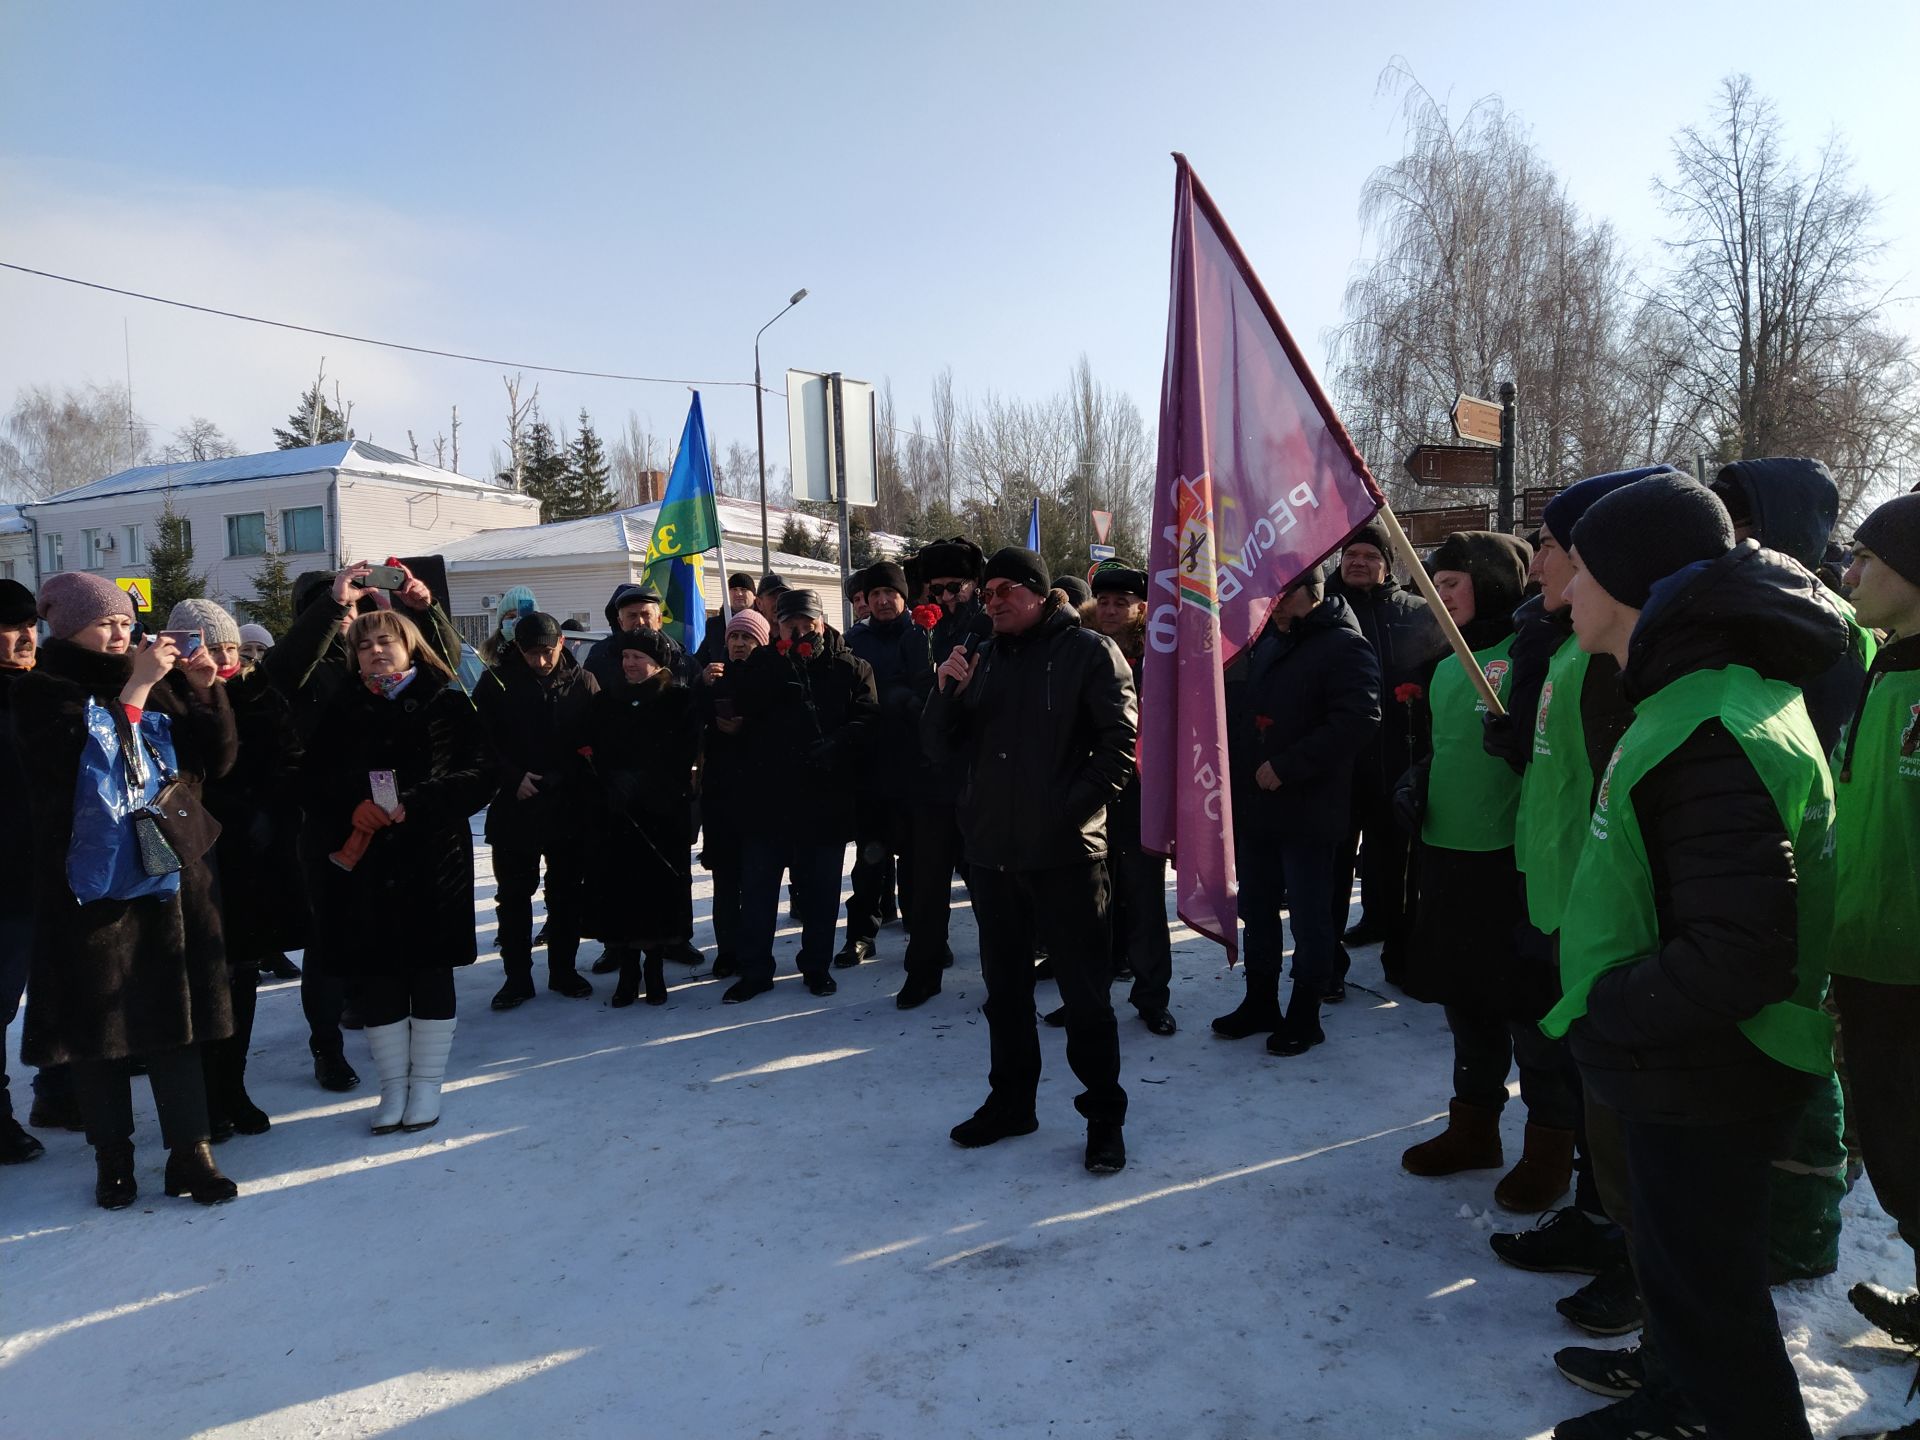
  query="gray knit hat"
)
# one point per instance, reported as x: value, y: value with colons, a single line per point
x: 215, y: 625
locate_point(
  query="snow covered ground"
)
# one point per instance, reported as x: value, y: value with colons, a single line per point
x: 700, y: 1221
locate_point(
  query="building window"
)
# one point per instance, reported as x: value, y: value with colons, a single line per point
x: 136, y: 546
x: 304, y: 531
x: 90, y: 547
x: 56, y: 555
x: 247, y: 534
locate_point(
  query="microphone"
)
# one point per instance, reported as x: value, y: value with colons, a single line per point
x: 978, y: 630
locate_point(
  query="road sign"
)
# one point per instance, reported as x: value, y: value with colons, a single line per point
x: 139, y: 590
x: 1100, y: 552
x: 1533, y: 505
x: 1102, y: 523
x: 1430, y: 527
x: 1476, y: 419
x: 1453, y: 467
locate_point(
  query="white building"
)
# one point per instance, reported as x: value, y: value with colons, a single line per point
x: 322, y: 506
x: 16, y: 546
x: 574, y: 566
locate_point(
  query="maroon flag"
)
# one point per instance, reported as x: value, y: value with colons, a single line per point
x: 1257, y: 481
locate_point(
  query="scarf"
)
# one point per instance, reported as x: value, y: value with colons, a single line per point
x: 389, y: 686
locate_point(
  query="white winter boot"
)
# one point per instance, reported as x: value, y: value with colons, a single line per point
x: 390, y: 1045
x: 432, y: 1042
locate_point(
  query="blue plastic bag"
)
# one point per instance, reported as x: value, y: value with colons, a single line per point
x: 103, y: 860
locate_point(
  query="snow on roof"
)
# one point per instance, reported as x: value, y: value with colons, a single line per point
x: 352, y: 457
x: 12, y: 522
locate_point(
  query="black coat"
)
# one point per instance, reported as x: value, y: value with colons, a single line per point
x: 1307, y: 701
x: 644, y: 739
x: 902, y: 665
x: 16, y: 836
x: 409, y: 902
x: 115, y: 978
x: 1604, y: 713
x: 809, y: 722
x: 1660, y: 1039
x: 310, y: 665
x: 1406, y: 641
x: 941, y: 781
x: 263, y: 885
x: 536, y: 727
x: 1047, y: 729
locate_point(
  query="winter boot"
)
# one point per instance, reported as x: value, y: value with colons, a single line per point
x: 609, y: 960
x: 1565, y: 1242
x: 1471, y: 1141
x: 1300, y: 1030
x: 432, y: 1043
x: 627, y: 988
x: 1106, y: 1148
x: 191, y: 1172
x: 517, y: 990
x: 570, y: 983
x: 919, y: 989
x: 114, y: 1187
x: 390, y: 1045
x: 1898, y: 1315
x: 1257, y: 1014
x: 331, y: 1070
x: 655, y: 974
x: 1543, y: 1174
x: 17, y: 1147
x: 989, y: 1125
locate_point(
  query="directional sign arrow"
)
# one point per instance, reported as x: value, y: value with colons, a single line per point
x: 1476, y: 419
x: 1452, y: 467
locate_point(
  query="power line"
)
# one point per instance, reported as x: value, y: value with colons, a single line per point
x: 366, y: 340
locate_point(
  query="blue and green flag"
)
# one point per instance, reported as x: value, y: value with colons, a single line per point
x: 688, y: 525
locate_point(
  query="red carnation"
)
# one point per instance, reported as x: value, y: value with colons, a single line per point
x: 806, y: 649
x: 1263, y: 723
x: 1408, y: 693
x: 783, y: 645
x: 586, y: 752
x: 927, y: 616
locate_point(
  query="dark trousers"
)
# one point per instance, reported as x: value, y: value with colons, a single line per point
x: 1380, y: 849
x: 1140, y: 926
x: 425, y: 994
x: 885, y: 833
x: 1699, y: 1196
x: 937, y: 852
x: 1064, y: 910
x: 815, y: 867
x: 322, y: 998
x: 721, y: 854
x: 516, y: 875
x: 105, y: 1091
x: 16, y: 950
x: 1882, y: 1028
x: 1299, y: 876
x: 1487, y: 1046
x: 225, y: 1061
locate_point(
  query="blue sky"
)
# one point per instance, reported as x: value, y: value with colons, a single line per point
x: 636, y: 187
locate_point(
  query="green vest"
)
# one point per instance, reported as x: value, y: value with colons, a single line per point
x: 1610, y: 920
x: 1471, y: 795
x: 1556, y: 794
x: 1876, y: 922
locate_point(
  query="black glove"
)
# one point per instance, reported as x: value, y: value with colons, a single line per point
x: 1410, y: 798
x: 823, y: 753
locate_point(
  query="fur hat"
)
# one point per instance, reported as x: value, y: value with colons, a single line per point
x: 73, y: 600
x: 958, y: 557
x: 1115, y: 578
x: 215, y: 625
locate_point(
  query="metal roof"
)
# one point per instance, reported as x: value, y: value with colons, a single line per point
x: 354, y: 457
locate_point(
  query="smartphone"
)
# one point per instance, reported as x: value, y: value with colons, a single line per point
x: 384, y: 577
x: 386, y: 794
x: 185, y: 641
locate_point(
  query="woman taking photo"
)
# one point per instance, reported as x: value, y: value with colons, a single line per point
x: 113, y: 980
x: 395, y: 767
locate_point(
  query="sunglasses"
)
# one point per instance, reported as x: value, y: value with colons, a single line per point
x: 952, y: 587
x: 1000, y: 590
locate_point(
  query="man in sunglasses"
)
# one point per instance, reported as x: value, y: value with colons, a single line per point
x: 1043, y: 715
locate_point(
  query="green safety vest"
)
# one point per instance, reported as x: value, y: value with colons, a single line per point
x: 1471, y: 796
x: 1876, y: 922
x: 1610, y: 921
x: 1556, y: 793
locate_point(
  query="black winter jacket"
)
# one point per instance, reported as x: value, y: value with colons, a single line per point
x: 1307, y: 701
x: 115, y: 979
x: 1406, y: 641
x: 644, y: 738
x: 536, y: 727
x: 310, y: 665
x: 809, y: 722
x: 1046, y: 728
x: 898, y: 654
x: 16, y: 836
x: 409, y: 903
x: 263, y: 885
x: 1539, y: 635
x: 941, y: 782
x: 1660, y: 1039
x: 603, y: 660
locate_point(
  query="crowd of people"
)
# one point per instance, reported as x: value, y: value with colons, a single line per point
x: 1660, y: 881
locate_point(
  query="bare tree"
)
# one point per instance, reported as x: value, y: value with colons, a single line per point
x: 52, y: 442
x: 632, y: 453
x: 199, y: 439
x: 455, y: 439
x: 413, y: 444
x: 519, y: 415
x: 440, y: 451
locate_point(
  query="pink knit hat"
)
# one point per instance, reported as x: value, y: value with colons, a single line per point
x: 73, y: 600
x: 752, y: 622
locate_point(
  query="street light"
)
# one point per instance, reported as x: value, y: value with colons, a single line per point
x: 760, y: 434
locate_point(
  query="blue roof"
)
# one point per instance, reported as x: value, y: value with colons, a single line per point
x: 352, y: 455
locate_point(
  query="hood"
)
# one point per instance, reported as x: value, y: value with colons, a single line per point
x: 311, y: 586
x: 1752, y: 607
x: 1790, y: 502
x: 1497, y: 565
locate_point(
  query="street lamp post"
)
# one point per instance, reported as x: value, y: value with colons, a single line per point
x: 760, y: 434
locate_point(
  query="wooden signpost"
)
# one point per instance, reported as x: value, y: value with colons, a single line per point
x: 1476, y: 419
x: 1453, y: 467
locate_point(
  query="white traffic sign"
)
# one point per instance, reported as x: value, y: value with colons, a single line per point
x: 1102, y: 523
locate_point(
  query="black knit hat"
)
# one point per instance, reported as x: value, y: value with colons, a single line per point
x: 1893, y: 533
x: 799, y: 605
x: 741, y: 580
x: 1114, y: 578
x: 16, y: 604
x: 650, y: 643
x: 771, y: 584
x: 958, y: 557
x: 854, y: 584
x: 1020, y: 565
x: 539, y: 628
x: 1564, y: 510
x: 1073, y: 587
x: 1634, y: 538
x: 885, y: 575
x: 1375, y: 534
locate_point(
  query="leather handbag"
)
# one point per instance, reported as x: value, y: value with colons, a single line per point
x: 173, y: 829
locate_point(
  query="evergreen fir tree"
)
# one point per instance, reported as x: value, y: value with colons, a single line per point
x: 795, y: 538
x: 272, y: 603
x: 543, y: 472
x: 170, y: 564
x: 589, y: 474
x: 314, y: 423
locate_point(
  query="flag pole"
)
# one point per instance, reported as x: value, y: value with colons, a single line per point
x: 1452, y: 631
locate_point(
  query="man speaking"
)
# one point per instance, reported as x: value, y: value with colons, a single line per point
x: 1042, y: 717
